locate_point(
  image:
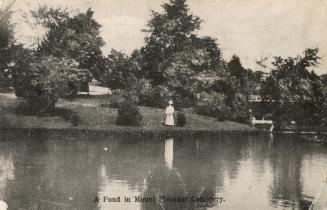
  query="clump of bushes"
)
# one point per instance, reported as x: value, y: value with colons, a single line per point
x: 180, y: 119
x: 42, y: 80
x: 183, y: 101
x: 212, y: 105
x: 238, y: 109
x: 224, y: 107
x: 151, y: 96
x: 40, y: 102
x: 157, y: 97
x: 210, y: 110
x: 119, y: 96
x: 128, y: 113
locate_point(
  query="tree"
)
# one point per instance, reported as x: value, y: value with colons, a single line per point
x: 42, y: 80
x: 168, y: 33
x: 238, y: 71
x: 120, y: 71
x: 73, y: 36
x: 6, y: 45
x: 295, y: 92
x: 174, y: 56
x: 137, y: 58
x: 186, y: 70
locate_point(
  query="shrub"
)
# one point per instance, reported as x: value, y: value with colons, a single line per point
x: 180, y: 119
x: 119, y: 96
x: 4, y: 121
x: 155, y: 97
x: 75, y: 120
x: 41, y: 103
x: 128, y: 113
x: 116, y: 98
x: 238, y: 109
x: 212, y: 105
x: 182, y: 101
x: 41, y: 81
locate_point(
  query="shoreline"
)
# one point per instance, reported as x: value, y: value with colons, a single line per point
x: 96, y: 117
x: 133, y: 132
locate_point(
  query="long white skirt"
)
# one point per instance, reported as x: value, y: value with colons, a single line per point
x: 169, y: 119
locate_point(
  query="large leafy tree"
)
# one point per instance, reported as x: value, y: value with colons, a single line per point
x: 174, y: 56
x: 41, y: 80
x: 294, y: 91
x: 119, y: 71
x: 237, y: 71
x: 76, y: 36
x: 188, y: 71
x: 6, y: 45
x: 168, y: 33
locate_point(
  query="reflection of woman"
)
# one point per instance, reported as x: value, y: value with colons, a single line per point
x: 165, y: 184
x: 3, y: 205
x: 170, y: 114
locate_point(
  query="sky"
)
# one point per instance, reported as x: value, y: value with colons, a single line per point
x: 251, y: 29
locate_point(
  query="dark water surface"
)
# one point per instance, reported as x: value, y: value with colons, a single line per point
x: 224, y: 172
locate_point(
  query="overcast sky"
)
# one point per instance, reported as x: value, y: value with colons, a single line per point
x: 249, y: 28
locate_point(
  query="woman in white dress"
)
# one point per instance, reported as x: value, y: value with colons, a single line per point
x: 170, y: 114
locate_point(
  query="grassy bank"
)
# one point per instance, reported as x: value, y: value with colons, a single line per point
x: 95, y: 114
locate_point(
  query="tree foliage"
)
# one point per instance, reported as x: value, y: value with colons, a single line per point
x: 42, y: 80
x: 6, y: 45
x: 296, y: 92
x: 119, y: 71
x: 76, y: 36
x: 174, y: 56
x: 168, y: 33
x: 237, y: 71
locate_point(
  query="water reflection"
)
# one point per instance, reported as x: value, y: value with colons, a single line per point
x: 43, y: 171
x: 48, y: 174
x: 7, y: 169
x: 286, y: 161
x: 169, y: 152
x: 165, y: 183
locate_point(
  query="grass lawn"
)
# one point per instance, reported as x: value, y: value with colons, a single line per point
x: 94, y: 114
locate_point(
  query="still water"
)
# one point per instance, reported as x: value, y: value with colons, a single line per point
x: 222, y: 172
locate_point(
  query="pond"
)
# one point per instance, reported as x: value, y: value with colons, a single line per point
x: 43, y: 171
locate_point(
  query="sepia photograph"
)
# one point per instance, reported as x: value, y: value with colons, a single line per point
x: 163, y: 105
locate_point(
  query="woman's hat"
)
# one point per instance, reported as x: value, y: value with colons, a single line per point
x: 170, y: 102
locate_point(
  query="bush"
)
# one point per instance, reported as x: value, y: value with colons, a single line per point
x: 116, y: 98
x: 75, y: 120
x: 180, y: 119
x: 212, y: 105
x: 41, y: 81
x: 119, y: 96
x: 128, y: 113
x: 155, y: 97
x: 181, y: 101
x: 4, y: 121
x: 42, y: 103
x: 238, y: 109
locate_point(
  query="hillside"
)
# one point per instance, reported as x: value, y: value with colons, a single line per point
x: 94, y: 113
